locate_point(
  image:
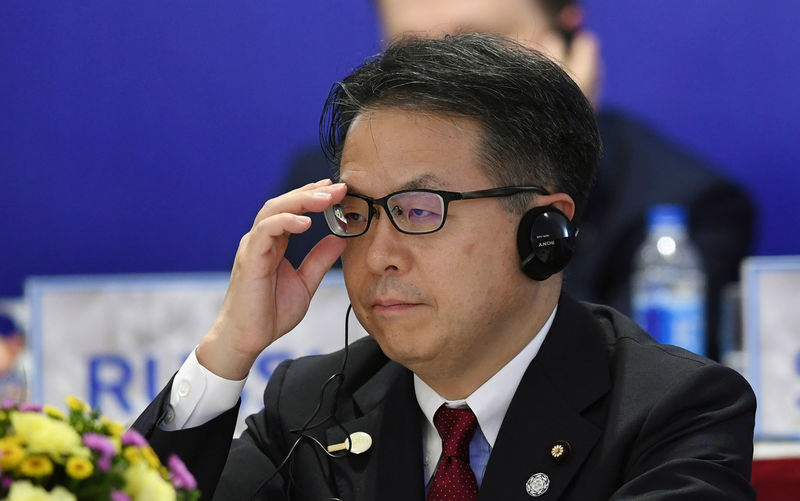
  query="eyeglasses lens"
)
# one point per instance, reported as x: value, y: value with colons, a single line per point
x: 348, y: 218
x: 417, y: 211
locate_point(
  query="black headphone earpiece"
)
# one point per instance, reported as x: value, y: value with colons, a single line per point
x: 546, y: 241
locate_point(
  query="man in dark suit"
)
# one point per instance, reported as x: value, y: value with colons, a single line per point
x: 638, y: 168
x: 464, y: 165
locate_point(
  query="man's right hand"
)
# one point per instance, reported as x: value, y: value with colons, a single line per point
x: 266, y: 296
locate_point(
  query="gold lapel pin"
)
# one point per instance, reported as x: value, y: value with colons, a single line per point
x: 560, y: 451
x: 361, y: 443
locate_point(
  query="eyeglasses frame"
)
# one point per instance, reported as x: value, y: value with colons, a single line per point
x: 447, y: 197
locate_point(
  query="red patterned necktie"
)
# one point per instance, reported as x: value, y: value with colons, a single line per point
x: 454, y: 479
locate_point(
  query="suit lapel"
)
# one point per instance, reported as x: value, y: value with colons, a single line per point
x: 569, y: 374
x: 392, y: 468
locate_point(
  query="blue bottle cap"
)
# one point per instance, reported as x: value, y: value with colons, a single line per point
x: 666, y: 215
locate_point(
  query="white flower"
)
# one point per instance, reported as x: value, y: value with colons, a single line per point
x: 143, y: 483
x: 44, y: 435
x: 23, y: 490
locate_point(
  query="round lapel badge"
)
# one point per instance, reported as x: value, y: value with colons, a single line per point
x: 537, y: 485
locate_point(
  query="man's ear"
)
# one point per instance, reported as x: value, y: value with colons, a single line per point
x: 546, y: 236
x: 560, y: 201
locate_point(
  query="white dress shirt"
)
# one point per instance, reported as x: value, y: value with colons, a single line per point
x: 198, y: 396
x: 489, y: 402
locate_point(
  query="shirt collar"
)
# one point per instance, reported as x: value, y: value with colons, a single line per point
x: 491, y: 400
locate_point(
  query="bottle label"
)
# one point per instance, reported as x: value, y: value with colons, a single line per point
x: 670, y: 320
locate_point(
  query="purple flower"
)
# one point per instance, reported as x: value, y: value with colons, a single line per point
x: 180, y: 475
x: 104, y: 463
x: 99, y: 443
x: 6, y: 482
x: 9, y: 403
x: 26, y: 407
x: 119, y: 496
x: 103, y: 445
x: 133, y: 437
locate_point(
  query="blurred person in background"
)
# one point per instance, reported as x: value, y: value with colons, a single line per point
x: 638, y: 168
x: 13, y: 381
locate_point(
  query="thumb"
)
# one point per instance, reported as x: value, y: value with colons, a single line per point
x: 319, y: 260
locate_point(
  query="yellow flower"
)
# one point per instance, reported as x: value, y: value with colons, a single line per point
x: 79, y: 468
x: 36, y: 466
x: 115, y: 429
x: 22, y: 490
x: 11, y: 454
x: 45, y: 435
x: 53, y: 412
x: 142, y: 483
x: 11, y: 439
x: 76, y: 404
x: 151, y: 457
x: 117, y: 444
x: 132, y: 454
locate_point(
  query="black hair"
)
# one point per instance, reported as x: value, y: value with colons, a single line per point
x: 537, y: 126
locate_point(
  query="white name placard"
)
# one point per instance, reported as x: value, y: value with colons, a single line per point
x: 115, y: 341
x: 771, y: 295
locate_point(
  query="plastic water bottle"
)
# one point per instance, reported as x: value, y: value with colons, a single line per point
x: 669, y: 284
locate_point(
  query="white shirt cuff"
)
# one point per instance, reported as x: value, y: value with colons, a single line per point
x: 198, y: 396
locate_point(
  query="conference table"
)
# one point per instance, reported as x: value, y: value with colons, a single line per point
x: 776, y: 470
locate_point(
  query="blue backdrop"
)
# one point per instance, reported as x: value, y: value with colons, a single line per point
x: 144, y: 136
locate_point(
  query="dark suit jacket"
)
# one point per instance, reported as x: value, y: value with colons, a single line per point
x: 643, y: 421
x: 638, y: 169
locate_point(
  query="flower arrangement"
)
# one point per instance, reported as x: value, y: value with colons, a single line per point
x: 46, y: 455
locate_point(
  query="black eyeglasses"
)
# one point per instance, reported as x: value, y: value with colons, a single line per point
x: 414, y: 212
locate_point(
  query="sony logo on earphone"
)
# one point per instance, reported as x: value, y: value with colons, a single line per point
x: 545, y: 240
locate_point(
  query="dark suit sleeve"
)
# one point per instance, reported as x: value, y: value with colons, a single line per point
x: 203, y: 448
x: 696, y: 443
x: 225, y: 469
x: 250, y: 471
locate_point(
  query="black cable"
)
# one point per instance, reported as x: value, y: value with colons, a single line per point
x: 308, y: 425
